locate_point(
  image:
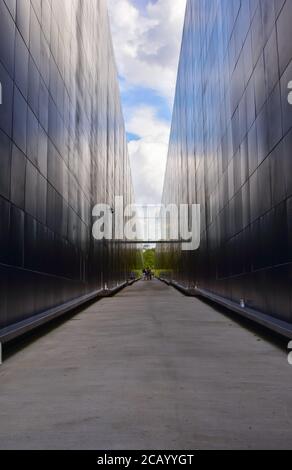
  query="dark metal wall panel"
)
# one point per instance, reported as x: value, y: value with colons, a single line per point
x: 62, y: 150
x: 231, y: 140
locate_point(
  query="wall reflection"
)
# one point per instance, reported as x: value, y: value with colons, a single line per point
x: 230, y: 151
x: 63, y: 150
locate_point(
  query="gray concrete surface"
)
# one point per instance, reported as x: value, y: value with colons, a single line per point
x: 147, y: 369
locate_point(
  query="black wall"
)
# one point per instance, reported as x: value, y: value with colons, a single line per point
x: 231, y: 151
x: 62, y: 150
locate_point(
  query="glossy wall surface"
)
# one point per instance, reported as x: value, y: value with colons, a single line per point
x: 231, y: 151
x: 62, y: 150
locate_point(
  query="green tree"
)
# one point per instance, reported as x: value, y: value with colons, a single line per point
x: 149, y: 258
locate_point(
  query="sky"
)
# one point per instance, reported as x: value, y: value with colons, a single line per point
x: 147, y: 40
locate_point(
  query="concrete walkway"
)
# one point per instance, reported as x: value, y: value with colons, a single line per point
x: 147, y: 369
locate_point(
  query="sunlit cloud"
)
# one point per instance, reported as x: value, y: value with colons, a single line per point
x: 147, y: 39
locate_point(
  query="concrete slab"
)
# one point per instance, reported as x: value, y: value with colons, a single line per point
x: 147, y: 369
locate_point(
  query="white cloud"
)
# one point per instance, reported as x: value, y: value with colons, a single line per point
x: 148, y: 154
x: 147, y: 44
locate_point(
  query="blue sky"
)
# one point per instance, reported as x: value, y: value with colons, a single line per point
x: 147, y: 39
x: 142, y: 4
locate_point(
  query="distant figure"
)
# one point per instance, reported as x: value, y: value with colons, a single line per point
x: 148, y: 274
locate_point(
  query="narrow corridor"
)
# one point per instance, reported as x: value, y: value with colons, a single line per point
x: 147, y: 369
